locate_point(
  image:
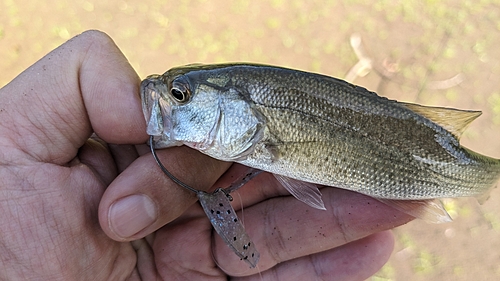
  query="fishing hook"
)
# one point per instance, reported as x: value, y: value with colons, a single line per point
x: 172, y: 177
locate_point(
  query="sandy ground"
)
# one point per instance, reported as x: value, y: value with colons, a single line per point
x: 436, y: 52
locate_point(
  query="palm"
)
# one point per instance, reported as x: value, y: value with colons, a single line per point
x: 59, y: 226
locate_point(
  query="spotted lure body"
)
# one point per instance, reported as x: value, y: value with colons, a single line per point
x: 225, y: 222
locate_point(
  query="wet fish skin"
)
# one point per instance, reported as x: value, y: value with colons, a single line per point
x: 317, y: 129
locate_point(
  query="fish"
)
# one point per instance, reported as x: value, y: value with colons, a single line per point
x: 310, y: 129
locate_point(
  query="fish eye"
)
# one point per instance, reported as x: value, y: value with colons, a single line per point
x: 180, y: 92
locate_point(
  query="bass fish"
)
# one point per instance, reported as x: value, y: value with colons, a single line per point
x: 310, y: 129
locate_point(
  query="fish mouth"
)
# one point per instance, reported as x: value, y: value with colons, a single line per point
x: 156, y: 110
x: 151, y: 107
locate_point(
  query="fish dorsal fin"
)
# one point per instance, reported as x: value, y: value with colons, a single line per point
x: 303, y: 191
x: 453, y: 120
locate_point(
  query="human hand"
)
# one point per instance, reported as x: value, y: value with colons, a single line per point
x: 71, y: 203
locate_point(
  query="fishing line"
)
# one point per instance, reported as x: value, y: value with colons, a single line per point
x: 172, y: 177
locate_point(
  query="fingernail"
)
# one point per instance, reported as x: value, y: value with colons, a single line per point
x: 131, y: 214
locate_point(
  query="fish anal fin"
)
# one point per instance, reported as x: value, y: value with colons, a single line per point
x: 303, y: 191
x: 431, y: 210
x: 483, y: 197
x: 453, y: 120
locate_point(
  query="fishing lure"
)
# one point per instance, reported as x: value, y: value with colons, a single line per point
x: 222, y: 216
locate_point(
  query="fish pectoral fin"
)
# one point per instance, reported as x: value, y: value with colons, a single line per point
x: 303, y: 191
x: 431, y: 210
x: 453, y: 120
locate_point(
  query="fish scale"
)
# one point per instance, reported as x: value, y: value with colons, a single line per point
x: 314, y: 151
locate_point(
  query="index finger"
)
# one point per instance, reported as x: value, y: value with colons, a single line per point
x: 86, y: 85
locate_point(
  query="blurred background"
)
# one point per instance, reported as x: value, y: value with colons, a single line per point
x: 443, y: 53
